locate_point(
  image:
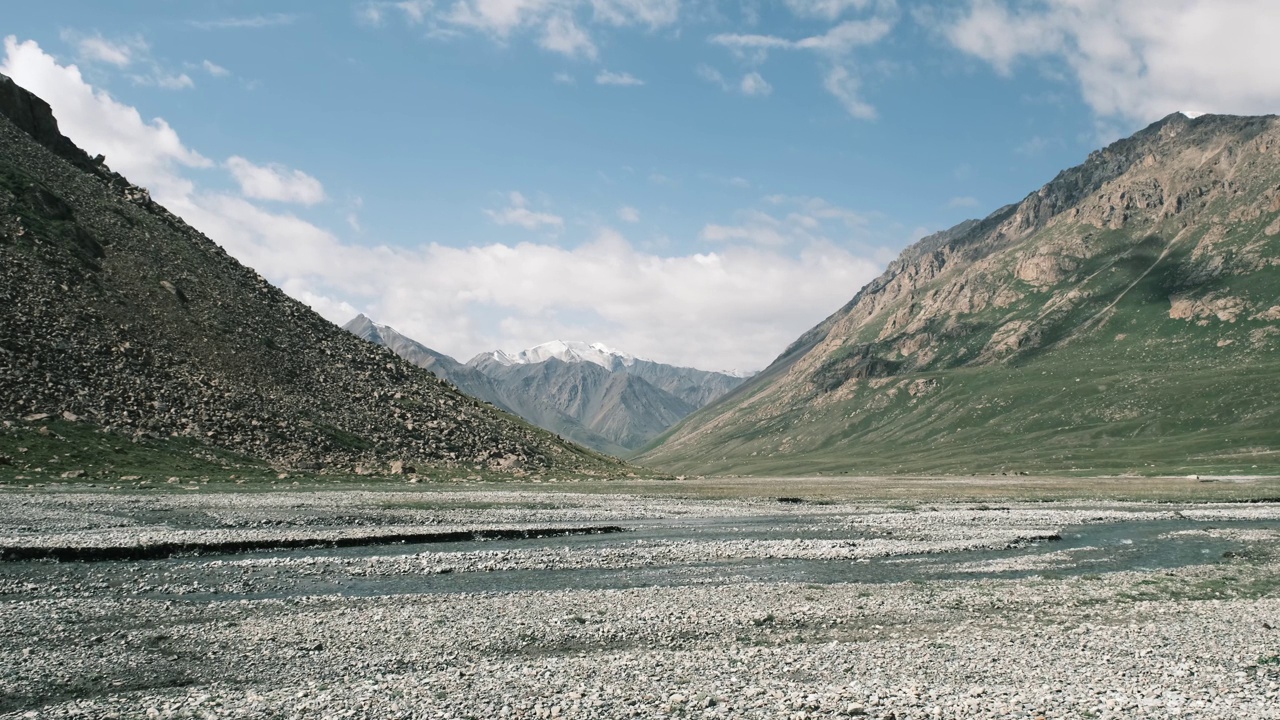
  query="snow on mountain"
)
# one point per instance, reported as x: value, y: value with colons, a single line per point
x: 568, y: 351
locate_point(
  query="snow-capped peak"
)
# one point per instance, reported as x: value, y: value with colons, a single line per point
x: 1191, y: 114
x: 568, y: 351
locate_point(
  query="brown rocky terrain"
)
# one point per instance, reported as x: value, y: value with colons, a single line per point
x: 116, y: 313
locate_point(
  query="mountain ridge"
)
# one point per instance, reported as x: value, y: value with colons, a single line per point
x: 1173, y: 229
x: 118, y: 315
x: 602, y: 398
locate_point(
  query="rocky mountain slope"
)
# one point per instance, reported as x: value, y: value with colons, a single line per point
x: 1123, y: 318
x: 116, y: 314
x: 607, y: 400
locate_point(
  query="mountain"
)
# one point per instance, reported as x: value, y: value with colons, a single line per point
x: 604, y: 399
x: 116, y: 314
x: 690, y: 385
x: 1123, y: 318
x: 469, y: 380
x: 565, y: 351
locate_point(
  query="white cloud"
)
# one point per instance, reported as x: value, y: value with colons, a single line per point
x: 835, y: 45
x: 250, y: 22
x: 737, y: 307
x: 519, y: 214
x: 415, y: 11
x: 561, y: 34
x: 758, y: 229
x: 97, y: 49
x: 838, y: 40
x: 353, y: 215
x: 1138, y: 60
x: 275, y: 182
x: 963, y: 202
x: 811, y: 221
x: 164, y: 81
x: 564, y: 78
x: 712, y: 75
x: 215, y: 69
x: 845, y: 87
x: 653, y: 13
x: 128, y: 53
x: 148, y: 153
x: 607, y: 77
x: 628, y: 214
x: 751, y: 84
x: 561, y: 26
x: 826, y: 9
x: 497, y: 17
x: 754, y: 84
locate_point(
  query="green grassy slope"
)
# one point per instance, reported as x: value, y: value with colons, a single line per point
x: 1132, y: 329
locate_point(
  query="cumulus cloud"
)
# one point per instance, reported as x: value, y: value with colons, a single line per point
x: 519, y: 214
x: 148, y: 153
x: 628, y: 214
x: 1137, y: 60
x: 606, y: 77
x: 275, y: 182
x: 736, y: 307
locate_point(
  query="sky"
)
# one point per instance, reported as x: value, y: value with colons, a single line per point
x: 693, y: 181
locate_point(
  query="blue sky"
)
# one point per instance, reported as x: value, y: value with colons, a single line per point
x: 693, y: 181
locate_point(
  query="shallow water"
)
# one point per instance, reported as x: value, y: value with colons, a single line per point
x: 1085, y: 549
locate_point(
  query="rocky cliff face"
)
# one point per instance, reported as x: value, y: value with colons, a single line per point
x: 114, y: 311
x: 1154, y: 264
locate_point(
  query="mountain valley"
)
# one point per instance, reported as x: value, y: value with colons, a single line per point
x: 1125, y: 318
x: 606, y: 400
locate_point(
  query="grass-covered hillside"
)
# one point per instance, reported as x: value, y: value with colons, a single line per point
x: 1124, y: 318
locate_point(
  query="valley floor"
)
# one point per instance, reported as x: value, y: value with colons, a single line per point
x: 698, y: 599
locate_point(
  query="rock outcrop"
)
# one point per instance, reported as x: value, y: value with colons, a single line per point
x: 117, y: 312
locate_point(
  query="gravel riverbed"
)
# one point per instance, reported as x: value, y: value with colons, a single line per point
x: 944, y: 610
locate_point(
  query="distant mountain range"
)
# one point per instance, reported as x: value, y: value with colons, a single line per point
x: 1124, y: 318
x: 601, y: 398
x: 117, y: 315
